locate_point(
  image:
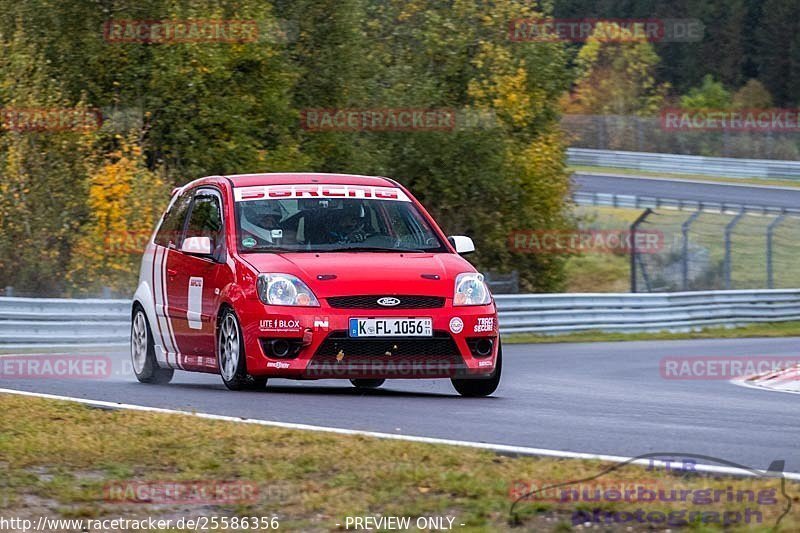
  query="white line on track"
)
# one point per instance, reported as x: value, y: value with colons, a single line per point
x: 501, y: 448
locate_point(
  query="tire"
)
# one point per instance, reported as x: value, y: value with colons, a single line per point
x: 478, y: 387
x: 231, y: 357
x: 143, y: 352
x: 367, y: 383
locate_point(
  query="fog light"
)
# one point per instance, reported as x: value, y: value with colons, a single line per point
x: 481, y: 346
x: 281, y: 348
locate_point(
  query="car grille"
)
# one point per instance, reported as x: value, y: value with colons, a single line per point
x: 371, y: 302
x: 435, y: 356
x: 441, y: 344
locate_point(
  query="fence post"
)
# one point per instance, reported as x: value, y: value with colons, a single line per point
x: 770, y: 230
x: 634, y: 227
x: 9, y: 291
x: 685, y: 227
x: 728, y: 230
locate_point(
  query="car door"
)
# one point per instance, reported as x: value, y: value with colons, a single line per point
x: 167, y: 239
x: 194, y: 283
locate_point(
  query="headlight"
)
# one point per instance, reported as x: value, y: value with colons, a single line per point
x: 471, y: 290
x: 285, y: 289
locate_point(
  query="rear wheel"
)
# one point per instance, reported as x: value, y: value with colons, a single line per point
x: 231, y: 357
x: 367, y: 383
x: 476, y: 387
x: 143, y: 352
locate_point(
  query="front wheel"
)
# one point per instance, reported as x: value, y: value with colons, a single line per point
x: 231, y: 357
x: 476, y: 387
x: 143, y: 352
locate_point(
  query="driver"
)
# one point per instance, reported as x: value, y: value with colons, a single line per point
x: 349, y: 227
x: 261, y: 219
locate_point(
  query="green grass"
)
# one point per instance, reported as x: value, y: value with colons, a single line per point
x: 58, y: 457
x: 688, y: 177
x: 774, y: 329
x: 600, y: 271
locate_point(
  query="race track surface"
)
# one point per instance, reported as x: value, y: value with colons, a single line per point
x: 703, y: 191
x: 604, y: 398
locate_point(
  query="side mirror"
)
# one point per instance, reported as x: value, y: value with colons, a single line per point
x: 462, y: 244
x: 196, y: 246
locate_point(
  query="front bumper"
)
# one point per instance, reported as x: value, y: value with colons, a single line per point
x: 321, y: 347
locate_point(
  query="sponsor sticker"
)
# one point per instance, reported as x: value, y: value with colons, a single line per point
x: 279, y: 192
x: 279, y: 324
x: 484, y: 324
x: 456, y: 325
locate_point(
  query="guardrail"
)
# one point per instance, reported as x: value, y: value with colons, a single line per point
x: 686, y: 164
x: 677, y: 311
x: 643, y: 202
x: 46, y: 322
x: 40, y: 322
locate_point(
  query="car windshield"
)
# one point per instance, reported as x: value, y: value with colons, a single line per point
x: 333, y: 225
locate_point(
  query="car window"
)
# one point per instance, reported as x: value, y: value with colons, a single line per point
x: 206, y: 220
x: 172, y: 226
x: 333, y: 224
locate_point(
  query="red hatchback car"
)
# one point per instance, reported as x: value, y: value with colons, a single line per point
x: 310, y: 276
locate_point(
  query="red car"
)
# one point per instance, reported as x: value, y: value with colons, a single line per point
x: 310, y: 276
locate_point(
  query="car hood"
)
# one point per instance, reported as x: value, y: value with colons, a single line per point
x: 368, y: 273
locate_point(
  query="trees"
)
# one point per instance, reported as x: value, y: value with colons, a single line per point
x: 178, y: 111
x: 483, y: 179
x: 43, y: 175
x: 616, y: 77
x: 710, y: 95
x: 124, y: 201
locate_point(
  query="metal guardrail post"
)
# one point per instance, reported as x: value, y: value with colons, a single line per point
x: 728, y: 230
x: 635, y: 226
x: 770, y: 231
x: 685, y: 227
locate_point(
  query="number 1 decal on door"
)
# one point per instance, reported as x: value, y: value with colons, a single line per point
x: 195, y: 305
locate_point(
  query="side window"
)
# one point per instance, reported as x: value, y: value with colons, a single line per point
x: 172, y: 226
x: 206, y: 220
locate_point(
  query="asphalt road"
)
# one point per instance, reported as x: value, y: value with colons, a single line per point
x: 703, y: 191
x: 604, y: 398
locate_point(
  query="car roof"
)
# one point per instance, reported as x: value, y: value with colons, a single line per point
x: 292, y: 178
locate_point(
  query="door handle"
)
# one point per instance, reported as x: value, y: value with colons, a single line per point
x: 171, y: 272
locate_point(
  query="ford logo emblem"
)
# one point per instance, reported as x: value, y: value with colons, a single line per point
x: 388, y: 301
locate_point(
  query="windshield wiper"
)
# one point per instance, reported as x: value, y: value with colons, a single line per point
x: 373, y: 249
x: 273, y: 249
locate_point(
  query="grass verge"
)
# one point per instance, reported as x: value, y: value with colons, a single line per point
x: 58, y: 458
x: 773, y: 329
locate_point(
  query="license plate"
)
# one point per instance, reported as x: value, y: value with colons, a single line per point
x: 391, y: 327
